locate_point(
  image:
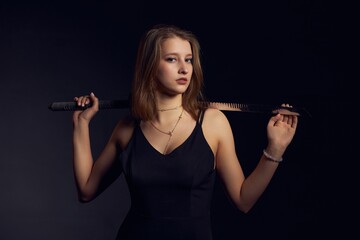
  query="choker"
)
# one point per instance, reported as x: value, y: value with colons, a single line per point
x: 168, y: 109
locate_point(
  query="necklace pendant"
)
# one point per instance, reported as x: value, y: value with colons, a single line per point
x: 170, y: 134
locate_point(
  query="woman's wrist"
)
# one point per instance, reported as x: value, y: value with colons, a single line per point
x: 272, y: 158
x: 275, y: 150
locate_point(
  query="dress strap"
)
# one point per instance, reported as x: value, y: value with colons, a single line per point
x: 201, y: 115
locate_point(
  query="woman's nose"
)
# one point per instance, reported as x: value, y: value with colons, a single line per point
x: 183, y: 69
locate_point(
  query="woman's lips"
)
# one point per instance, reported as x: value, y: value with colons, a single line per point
x: 182, y: 80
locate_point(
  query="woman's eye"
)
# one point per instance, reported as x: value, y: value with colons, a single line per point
x: 189, y: 60
x: 171, y: 59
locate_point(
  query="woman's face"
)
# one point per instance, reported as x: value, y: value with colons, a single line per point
x: 175, y: 67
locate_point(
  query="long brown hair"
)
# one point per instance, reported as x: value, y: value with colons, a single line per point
x: 143, y: 104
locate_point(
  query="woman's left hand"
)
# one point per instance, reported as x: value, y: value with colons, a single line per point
x: 281, y: 130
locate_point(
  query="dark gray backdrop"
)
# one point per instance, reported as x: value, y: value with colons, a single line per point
x: 257, y: 52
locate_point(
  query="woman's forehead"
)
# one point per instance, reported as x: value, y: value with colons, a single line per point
x: 176, y: 45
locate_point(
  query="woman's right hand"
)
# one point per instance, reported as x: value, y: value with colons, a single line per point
x: 87, y: 114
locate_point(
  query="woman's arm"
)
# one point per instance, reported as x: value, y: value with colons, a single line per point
x: 244, y: 192
x: 89, y: 173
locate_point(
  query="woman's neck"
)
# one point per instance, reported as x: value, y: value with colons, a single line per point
x: 166, y: 103
x: 168, y: 108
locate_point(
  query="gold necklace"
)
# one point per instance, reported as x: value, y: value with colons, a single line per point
x: 170, y: 133
x: 168, y: 109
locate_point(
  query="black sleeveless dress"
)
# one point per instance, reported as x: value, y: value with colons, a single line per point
x: 170, y: 194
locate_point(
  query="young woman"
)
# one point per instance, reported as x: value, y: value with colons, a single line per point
x: 171, y: 146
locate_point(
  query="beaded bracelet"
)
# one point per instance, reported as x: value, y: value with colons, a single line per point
x: 271, y: 158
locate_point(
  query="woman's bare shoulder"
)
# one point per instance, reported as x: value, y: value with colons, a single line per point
x: 215, y: 122
x: 215, y: 128
x: 214, y: 117
x: 124, y: 130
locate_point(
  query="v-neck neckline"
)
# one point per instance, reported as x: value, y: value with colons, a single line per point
x: 175, y: 149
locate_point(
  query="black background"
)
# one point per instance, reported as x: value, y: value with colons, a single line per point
x: 253, y: 52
